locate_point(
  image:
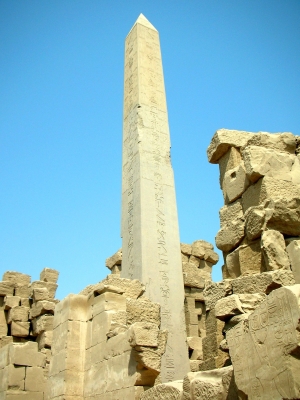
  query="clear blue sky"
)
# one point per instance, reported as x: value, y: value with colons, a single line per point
x: 227, y: 64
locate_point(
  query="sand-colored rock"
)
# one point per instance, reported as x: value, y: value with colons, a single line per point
x: 293, y: 250
x: 274, y: 251
x: 251, y: 260
x: 49, y: 275
x: 215, y: 291
x: 186, y: 248
x: 11, y: 301
x: 233, y: 269
x: 231, y: 159
x: 235, y: 183
x: 6, y: 288
x: 115, y: 259
x: 164, y: 391
x: 264, y: 349
x: 232, y: 226
x: 143, y: 334
x: 251, y: 301
x: 193, y: 276
x: 282, y: 141
x: 228, y: 307
x: 142, y: 310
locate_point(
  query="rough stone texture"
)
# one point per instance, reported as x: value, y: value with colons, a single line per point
x: 150, y: 234
x: 256, y: 219
x: 223, y: 139
x: 233, y: 264
x: 165, y: 391
x: 283, y: 141
x: 215, y: 291
x: 250, y: 258
x: 293, y: 250
x: 262, y: 283
x: 231, y: 159
x: 114, y: 260
x: 235, y: 182
x: 250, y: 302
x: 275, y: 256
x: 265, y: 349
x: 228, y: 307
x: 286, y: 214
x: 49, y: 275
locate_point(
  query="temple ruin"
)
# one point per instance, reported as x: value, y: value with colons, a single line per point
x: 158, y: 327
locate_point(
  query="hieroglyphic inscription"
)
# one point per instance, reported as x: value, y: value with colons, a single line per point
x: 260, y: 348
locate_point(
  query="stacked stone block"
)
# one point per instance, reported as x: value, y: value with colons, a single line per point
x: 260, y: 180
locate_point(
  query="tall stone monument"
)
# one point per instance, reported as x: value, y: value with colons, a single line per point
x: 150, y: 234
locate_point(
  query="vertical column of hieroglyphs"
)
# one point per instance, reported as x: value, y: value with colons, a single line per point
x: 151, y: 246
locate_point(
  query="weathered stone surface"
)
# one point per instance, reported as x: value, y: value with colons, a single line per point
x: 132, y: 288
x: 232, y: 226
x: 40, y: 294
x: 228, y: 307
x: 20, y: 329
x: 115, y: 259
x: 49, y: 275
x: 256, y: 219
x: 11, y: 301
x: 22, y: 291
x: 73, y: 307
x: 261, y: 161
x: 4, y: 340
x: 275, y: 256
x: 283, y: 141
x: 233, y: 264
x: 271, y: 188
x: 235, y: 320
x: 285, y: 215
x: 143, y: 334
x: 250, y: 258
x: 293, y: 250
x: 41, y: 284
x: 193, y: 276
x: 6, y: 288
x: 11, y: 378
x: 223, y: 139
x: 164, y: 391
x: 142, y: 310
x: 262, y: 283
x: 251, y: 301
x: 265, y: 349
x: 16, y: 278
x: 186, y: 249
x: 231, y: 159
x: 25, y: 354
x: 235, y: 182
x: 45, y: 340
x: 200, y: 248
x: 42, y: 323
x: 18, y: 313
x: 41, y: 307
x: 35, y: 380
x: 215, y: 291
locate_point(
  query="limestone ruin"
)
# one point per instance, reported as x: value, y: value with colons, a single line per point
x: 158, y: 327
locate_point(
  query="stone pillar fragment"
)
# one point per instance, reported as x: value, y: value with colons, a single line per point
x: 151, y: 246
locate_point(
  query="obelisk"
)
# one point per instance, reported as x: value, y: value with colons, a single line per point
x: 150, y: 234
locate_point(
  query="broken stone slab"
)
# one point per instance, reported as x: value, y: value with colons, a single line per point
x: 41, y: 324
x: 143, y: 334
x: 232, y: 226
x: 11, y: 301
x: 116, y: 259
x: 49, y: 275
x: 281, y: 141
x: 260, y: 161
x: 265, y: 282
x: 186, y: 249
x: 235, y: 183
x: 264, y: 350
x: 223, y: 139
x: 251, y: 260
x: 271, y: 188
x: 6, y: 288
x: 193, y: 276
x: 17, y: 278
x: 20, y: 329
x: 228, y: 307
x: 41, y: 307
x: 41, y: 284
x: 200, y: 247
x: 285, y: 214
x: 216, y: 384
x: 293, y: 250
x: 235, y: 320
x: 215, y: 291
x: 256, y: 219
x: 273, y: 246
x: 231, y: 159
x: 233, y: 269
x: 4, y: 340
x: 142, y: 310
x: 164, y: 391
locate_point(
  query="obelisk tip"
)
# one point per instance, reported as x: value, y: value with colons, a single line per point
x: 143, y: 21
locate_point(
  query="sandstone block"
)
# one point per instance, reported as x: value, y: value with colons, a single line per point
x: 222, y: 140
x: 4, y: 340
x: 235, y: 320
x: 275, y: 256
x: 293, y: 250
x: 133, y: 288
x: 269, y: 188
x: 256, y: 219
x: 49, y: 275
x: 164, y: 391
x: 262, y: 283
x: 231, y: 159
x: 40, y: 294
x: 233, y: 264
x: 116, y: 259
x: 235, y: 183
x: 261, y: 161
x: 6, y: 288
x: 143, y: 334
x: 251, y: 301
x: 41, y: 284
x: 45, y: 340
x: 228, y: 307
x: 23, y: 395
x: 285, y: 215
x: 11, y: 301
x: 108, y: 301
x: 41, y: 307
x: 193, y: 276
x: 74, y: 307
x: 42, y: 323
x: 16, y: 278
x: 26, y: 354
x: 22, y: 291
x: 215, y: 291
x: 200, y: 247
x: 261, y: 346
x: 18, y: 313
x: 195, y: 345
x: 3, y: 326
x: 35, y: 380
x: 12, y: 379
x: 186, y: 249
x: 283, y: 141
x: 142, y: 310
x: 20, y: 329
x: 250, y: 258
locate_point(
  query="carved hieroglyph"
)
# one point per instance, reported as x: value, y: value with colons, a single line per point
x: 151, y: 246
